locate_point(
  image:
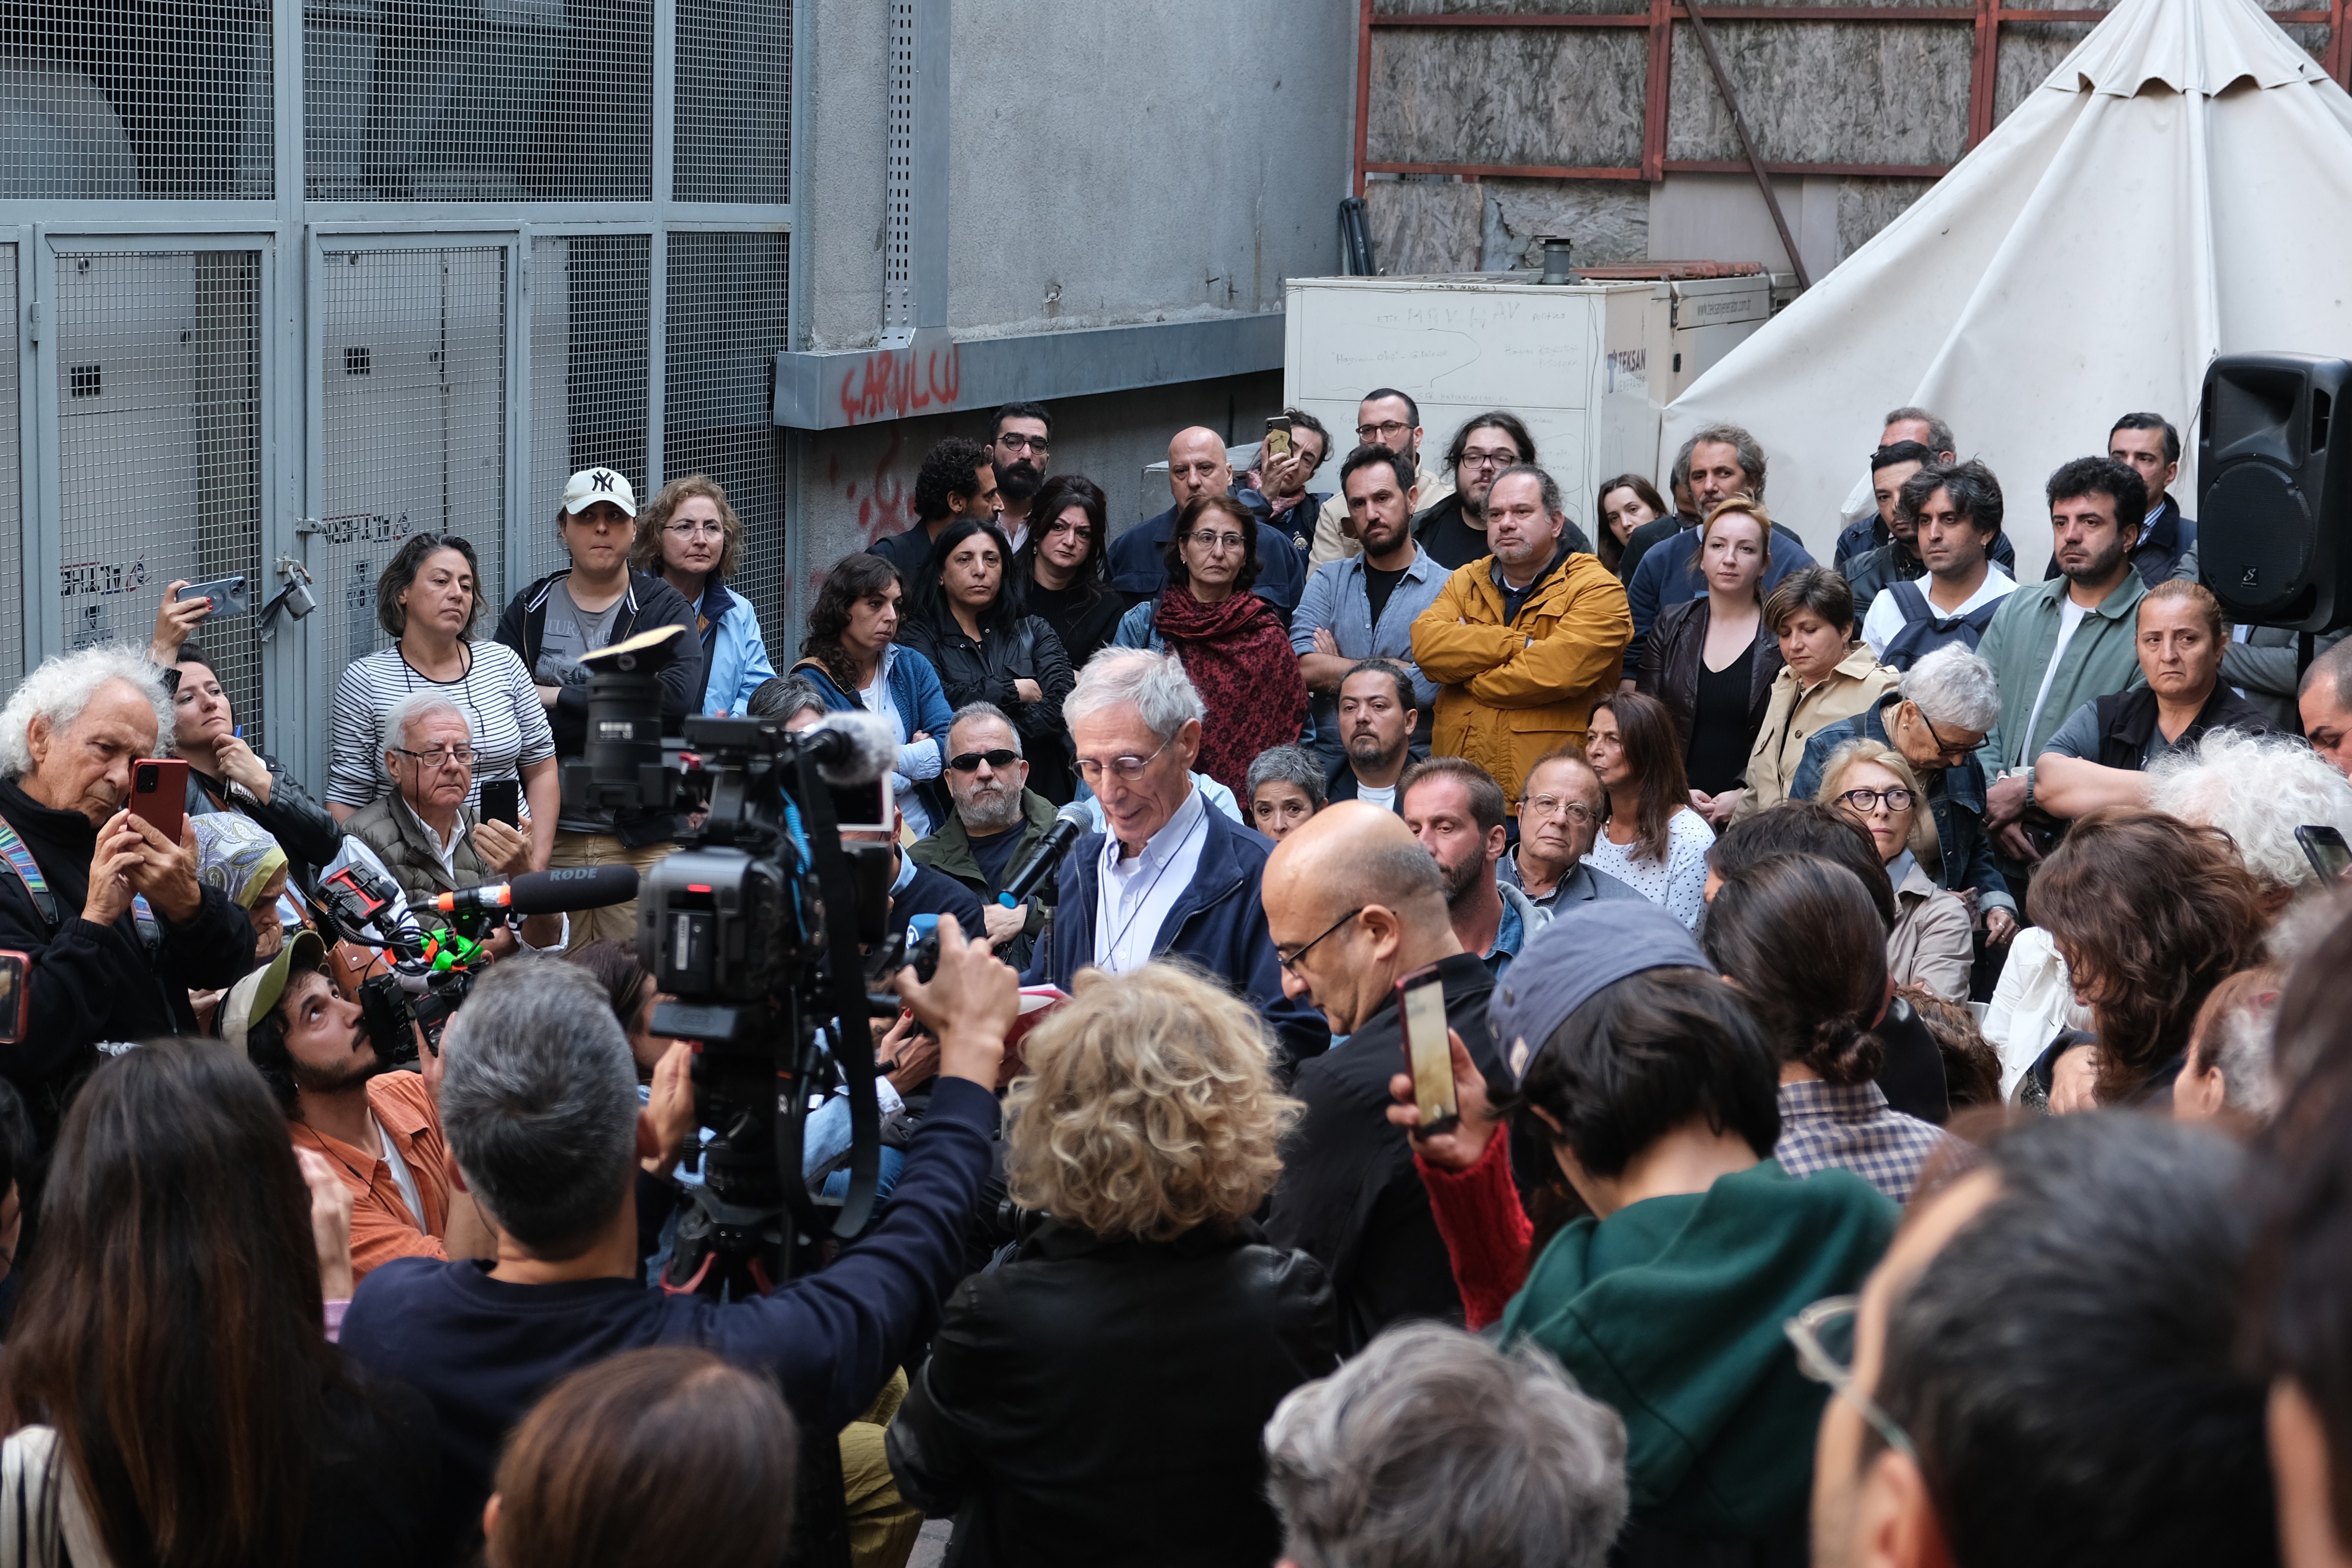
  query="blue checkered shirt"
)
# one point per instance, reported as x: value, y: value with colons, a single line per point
x: 1850, y: 1127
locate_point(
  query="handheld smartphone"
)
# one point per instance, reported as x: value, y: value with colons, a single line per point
x: 502, y: 801
x: 228, y: 594
x: 1278, y: 436
x: 16, y: 996
x: 2325, y: 850
x: 1420, y: 1003
x: 159, y: 793
x: 863, y: 807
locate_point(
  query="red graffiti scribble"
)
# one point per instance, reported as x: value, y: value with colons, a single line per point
x: 893, y: 383
x: 889, y: 506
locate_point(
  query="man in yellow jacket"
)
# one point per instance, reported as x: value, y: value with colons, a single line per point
x: 1524, y: 642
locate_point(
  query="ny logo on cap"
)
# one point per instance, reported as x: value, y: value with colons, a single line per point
x: 601, y: 480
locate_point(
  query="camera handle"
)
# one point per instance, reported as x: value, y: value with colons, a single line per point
x: 853, y: 1039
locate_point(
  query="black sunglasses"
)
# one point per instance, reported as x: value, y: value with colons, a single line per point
x: 970, y: 761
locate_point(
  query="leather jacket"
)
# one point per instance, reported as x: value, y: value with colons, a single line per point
x: 1104, y: 1401
x: 1670, y: 666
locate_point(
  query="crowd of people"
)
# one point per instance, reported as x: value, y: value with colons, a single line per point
x: 1894, y: 1019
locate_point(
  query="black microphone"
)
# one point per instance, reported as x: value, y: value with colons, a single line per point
x: 1069, y: 822
x: 556, y: 892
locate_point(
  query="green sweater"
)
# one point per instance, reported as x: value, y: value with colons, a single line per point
x: 2103, y: 656
x: 1669, y: 1312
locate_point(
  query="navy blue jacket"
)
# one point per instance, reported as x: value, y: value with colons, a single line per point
x: 1955, y: 797
x: 482, y: 1351
x: 1219, y: 923
x: 1139, y: 568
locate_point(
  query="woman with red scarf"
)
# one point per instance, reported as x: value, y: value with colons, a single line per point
x: 1233, y: 644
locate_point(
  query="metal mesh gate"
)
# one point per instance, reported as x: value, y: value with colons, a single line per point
x: 589, y: 335
x: 726, y: 322
x: 734, y: 103
x: 12, y: 538
x: 412, y: 386
x: 508, y: 100
x: 159, y: 444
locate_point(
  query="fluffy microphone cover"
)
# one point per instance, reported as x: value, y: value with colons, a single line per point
x: 876, y: 740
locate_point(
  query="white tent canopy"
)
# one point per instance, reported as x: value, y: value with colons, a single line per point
x: 2181, y: 186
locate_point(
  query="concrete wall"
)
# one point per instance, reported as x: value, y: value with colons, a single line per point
x: 1111, y: 164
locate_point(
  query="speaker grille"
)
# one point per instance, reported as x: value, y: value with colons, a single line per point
x: 2255, y: 538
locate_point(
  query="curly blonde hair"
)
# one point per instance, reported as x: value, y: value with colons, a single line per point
x: 1149, y: 1108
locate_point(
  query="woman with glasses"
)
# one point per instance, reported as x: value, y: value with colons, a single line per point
x: 1060, y: 565
x: 1233, y: 644
x: 968, y: 621
x: 429, y: 599
x: 1653, y: 1087
x: 1933, y: 944
x: 1826, y: 675
x: 1623, y: 504
x: 692, y: 538
x: 1712, y: 659
x: 851, y: 656
x: 1650, y: 839
x: 1802, y: 939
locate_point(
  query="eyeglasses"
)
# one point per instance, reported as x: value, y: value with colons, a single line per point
x: 1379, y: 432
x: 1128, y: 769
x: 1013, y: 441
x: 970, y: 761
x: 712, y: 530
x: 1290, y: 962
x: 1212, y: 542
x: 462, y: 755
x: 1544, y: 806
x: 1862, y: 802
x: 1473, y: 458
x: 1823, y: 1337
x: 1944, y: 749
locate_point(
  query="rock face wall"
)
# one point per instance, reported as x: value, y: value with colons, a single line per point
x: 1869, y: 93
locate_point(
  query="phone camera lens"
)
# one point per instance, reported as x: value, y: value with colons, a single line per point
x: 147, y: 776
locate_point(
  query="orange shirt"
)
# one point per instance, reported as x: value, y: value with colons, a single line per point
x: 381, y: 1227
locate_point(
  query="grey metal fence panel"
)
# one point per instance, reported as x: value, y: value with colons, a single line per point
x: 734, y: 101
x: 726, y: 323
x: 167, y: 99
x: 12, y: 538
x: 507, y: 101
x: 589, y: 329
x: 413, y: 372
x: 159, y: 445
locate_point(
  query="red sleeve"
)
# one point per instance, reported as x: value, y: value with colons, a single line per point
x: 1486, y: 1232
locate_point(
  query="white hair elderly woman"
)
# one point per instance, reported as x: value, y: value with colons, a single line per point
x: 119, y: 925
x: 2258, y: 789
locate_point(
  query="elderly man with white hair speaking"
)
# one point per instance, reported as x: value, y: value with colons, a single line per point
x: 1173, y: 878
x: 117, y: 924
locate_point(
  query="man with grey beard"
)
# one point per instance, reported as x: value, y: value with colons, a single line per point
x: 998, y: 819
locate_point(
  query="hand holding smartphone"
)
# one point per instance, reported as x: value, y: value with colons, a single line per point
x: 1420, y: 1003
x: 1278, y: 438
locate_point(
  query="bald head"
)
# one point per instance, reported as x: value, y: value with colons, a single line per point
x: 1197, y: 466
x: 1352, y: 854
x: 2324, y: 700
x: 1353, y: 902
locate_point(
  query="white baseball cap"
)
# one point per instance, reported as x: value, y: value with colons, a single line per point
x: 590, y: 485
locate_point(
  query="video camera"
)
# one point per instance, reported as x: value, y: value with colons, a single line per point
x: 754, y: 925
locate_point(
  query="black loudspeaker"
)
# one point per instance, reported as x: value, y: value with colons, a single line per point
x: 2274, y: 490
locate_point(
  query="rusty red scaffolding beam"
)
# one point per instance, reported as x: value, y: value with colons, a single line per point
x: 1986, y: 18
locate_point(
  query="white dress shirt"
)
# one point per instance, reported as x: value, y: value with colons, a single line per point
x: 1885, y: 618
x: 1134, y: 896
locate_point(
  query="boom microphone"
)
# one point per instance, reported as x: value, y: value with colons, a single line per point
x: 856, y: 747
x: 1069, y: 822
x: 556, y: 892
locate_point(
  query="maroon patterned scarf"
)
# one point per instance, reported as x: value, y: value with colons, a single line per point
x: 1239, y: 659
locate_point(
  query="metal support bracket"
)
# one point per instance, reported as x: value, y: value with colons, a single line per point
x: 1747, y: 142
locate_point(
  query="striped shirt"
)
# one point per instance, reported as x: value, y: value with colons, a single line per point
x: 1850, y: 1127
x: 496, y: 695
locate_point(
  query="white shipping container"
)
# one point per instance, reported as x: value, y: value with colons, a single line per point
x: 1588, y: 366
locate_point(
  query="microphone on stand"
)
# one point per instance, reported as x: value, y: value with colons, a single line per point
x: 557, y: 891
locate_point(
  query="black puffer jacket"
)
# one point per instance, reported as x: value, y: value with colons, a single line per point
x: 1096, y: 1401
